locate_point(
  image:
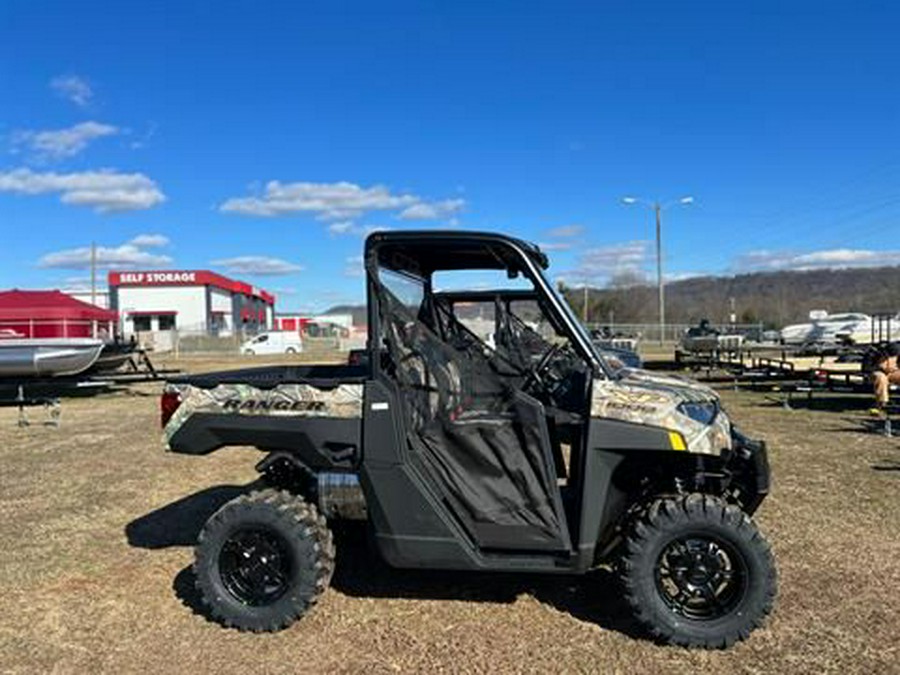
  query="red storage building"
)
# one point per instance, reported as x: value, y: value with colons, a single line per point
x: 38, y: 314
x: 190, y: 301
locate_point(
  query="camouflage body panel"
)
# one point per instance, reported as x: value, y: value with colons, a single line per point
x: 642, y: 397
x: 285, y: 400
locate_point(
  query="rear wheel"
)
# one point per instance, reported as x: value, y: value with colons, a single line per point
x: 290, y: 350
x: 263, y: 560
x: 697, y: 572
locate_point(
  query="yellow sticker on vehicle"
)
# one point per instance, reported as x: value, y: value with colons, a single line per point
x: 676, y: 440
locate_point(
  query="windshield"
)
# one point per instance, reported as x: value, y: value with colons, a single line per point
x: 583, y: 335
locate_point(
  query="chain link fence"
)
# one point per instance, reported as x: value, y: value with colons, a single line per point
x: 187, y: 342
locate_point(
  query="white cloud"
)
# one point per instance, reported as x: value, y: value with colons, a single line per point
x: 80, y: 283
x: 847, y: 257
x: 682, y: 276
x: 150, y: 240
x: 342, y: 227
x: 432, y: 210
x: 259, y: 265
x: 73, y: 88
x: 602, y: 264
x: 348, y: 227
x: 126, y: 256
x: 555, y: 245
x: 57, y: 144
x: 765, y: 260
x: 105, y: 191
x: 354, y: 267
x: 565, y: 231
x: 328, y: 201
x: 144, y: 139
x: 340, y: 203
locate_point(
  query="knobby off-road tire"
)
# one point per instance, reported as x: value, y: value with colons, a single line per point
x: 697, y: 572
x: 263, y: 560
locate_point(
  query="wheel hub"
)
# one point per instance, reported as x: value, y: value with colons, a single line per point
x: 699, y: 577
x: 255, y: 566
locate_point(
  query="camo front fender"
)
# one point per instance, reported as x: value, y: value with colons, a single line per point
x: 657, y: 405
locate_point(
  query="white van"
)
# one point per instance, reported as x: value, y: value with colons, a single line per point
x: 276, y: 342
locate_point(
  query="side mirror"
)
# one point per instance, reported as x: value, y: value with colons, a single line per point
x: 512, y: 273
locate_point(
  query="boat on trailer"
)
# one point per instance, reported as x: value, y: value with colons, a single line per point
x: 115, y: 355
x: 47, y: 357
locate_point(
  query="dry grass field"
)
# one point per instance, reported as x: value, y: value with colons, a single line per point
x: 97, y: 523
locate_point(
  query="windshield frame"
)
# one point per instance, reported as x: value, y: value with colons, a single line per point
x: 577, y: 329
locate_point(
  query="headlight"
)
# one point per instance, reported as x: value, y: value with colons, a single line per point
x: 704, y: 412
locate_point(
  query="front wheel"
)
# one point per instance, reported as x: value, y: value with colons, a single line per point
x: 697, y: 572
x: 263, y: 560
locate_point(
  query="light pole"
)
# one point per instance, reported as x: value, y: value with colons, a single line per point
x: 658, y: 208
x: 584, y: 306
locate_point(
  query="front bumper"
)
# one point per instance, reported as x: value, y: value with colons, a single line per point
x: 749, y: 467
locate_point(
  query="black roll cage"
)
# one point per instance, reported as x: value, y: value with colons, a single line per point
x: 421, y: 253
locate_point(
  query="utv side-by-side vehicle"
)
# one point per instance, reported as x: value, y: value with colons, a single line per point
x: 480, y: 430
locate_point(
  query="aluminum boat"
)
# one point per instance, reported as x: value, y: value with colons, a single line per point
x: 114, y: 356
x: 47, y: 357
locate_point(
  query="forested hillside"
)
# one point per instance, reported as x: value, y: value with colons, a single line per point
x: 774, y: 298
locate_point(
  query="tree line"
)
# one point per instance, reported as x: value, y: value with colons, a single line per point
x: 774, y: 299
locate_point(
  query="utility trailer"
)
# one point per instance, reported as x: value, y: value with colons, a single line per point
x: 533, y: 454
x: 46, y: 393
x: 132, y: 367
x: 784, y: 376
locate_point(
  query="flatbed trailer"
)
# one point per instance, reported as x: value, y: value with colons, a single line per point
x: 25, y: 394
x: 792, y: 376
x: 47, y: 392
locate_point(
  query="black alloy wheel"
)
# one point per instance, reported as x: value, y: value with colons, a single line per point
x: 700, y: 577
x: 256, y: 566
x: 263, y: 560
x: 697, y: 572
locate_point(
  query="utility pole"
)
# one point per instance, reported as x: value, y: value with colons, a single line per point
x: 93, y: 273
x: 658, y: 208
x: 94, y: 284
x: 659, y: 274
x: 584, y: 306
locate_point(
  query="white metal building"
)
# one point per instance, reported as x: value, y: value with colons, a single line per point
x: 99, y: 298
x: 191, y: 301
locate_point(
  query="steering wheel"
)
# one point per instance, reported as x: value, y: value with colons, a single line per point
x: 536, y: 374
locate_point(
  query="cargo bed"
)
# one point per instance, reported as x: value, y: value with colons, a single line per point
x: 268, y: 377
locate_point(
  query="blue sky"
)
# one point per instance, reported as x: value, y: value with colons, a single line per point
x: 263, y: 140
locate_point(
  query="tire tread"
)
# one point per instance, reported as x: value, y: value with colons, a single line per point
x: 670, y: 512
x: 296, y: 515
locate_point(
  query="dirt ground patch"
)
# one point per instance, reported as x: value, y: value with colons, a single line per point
x: 98, y: 522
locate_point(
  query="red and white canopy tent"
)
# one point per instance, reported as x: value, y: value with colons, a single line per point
x: 39, y: 314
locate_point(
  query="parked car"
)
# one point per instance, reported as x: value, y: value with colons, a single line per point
x: 274, y: 342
